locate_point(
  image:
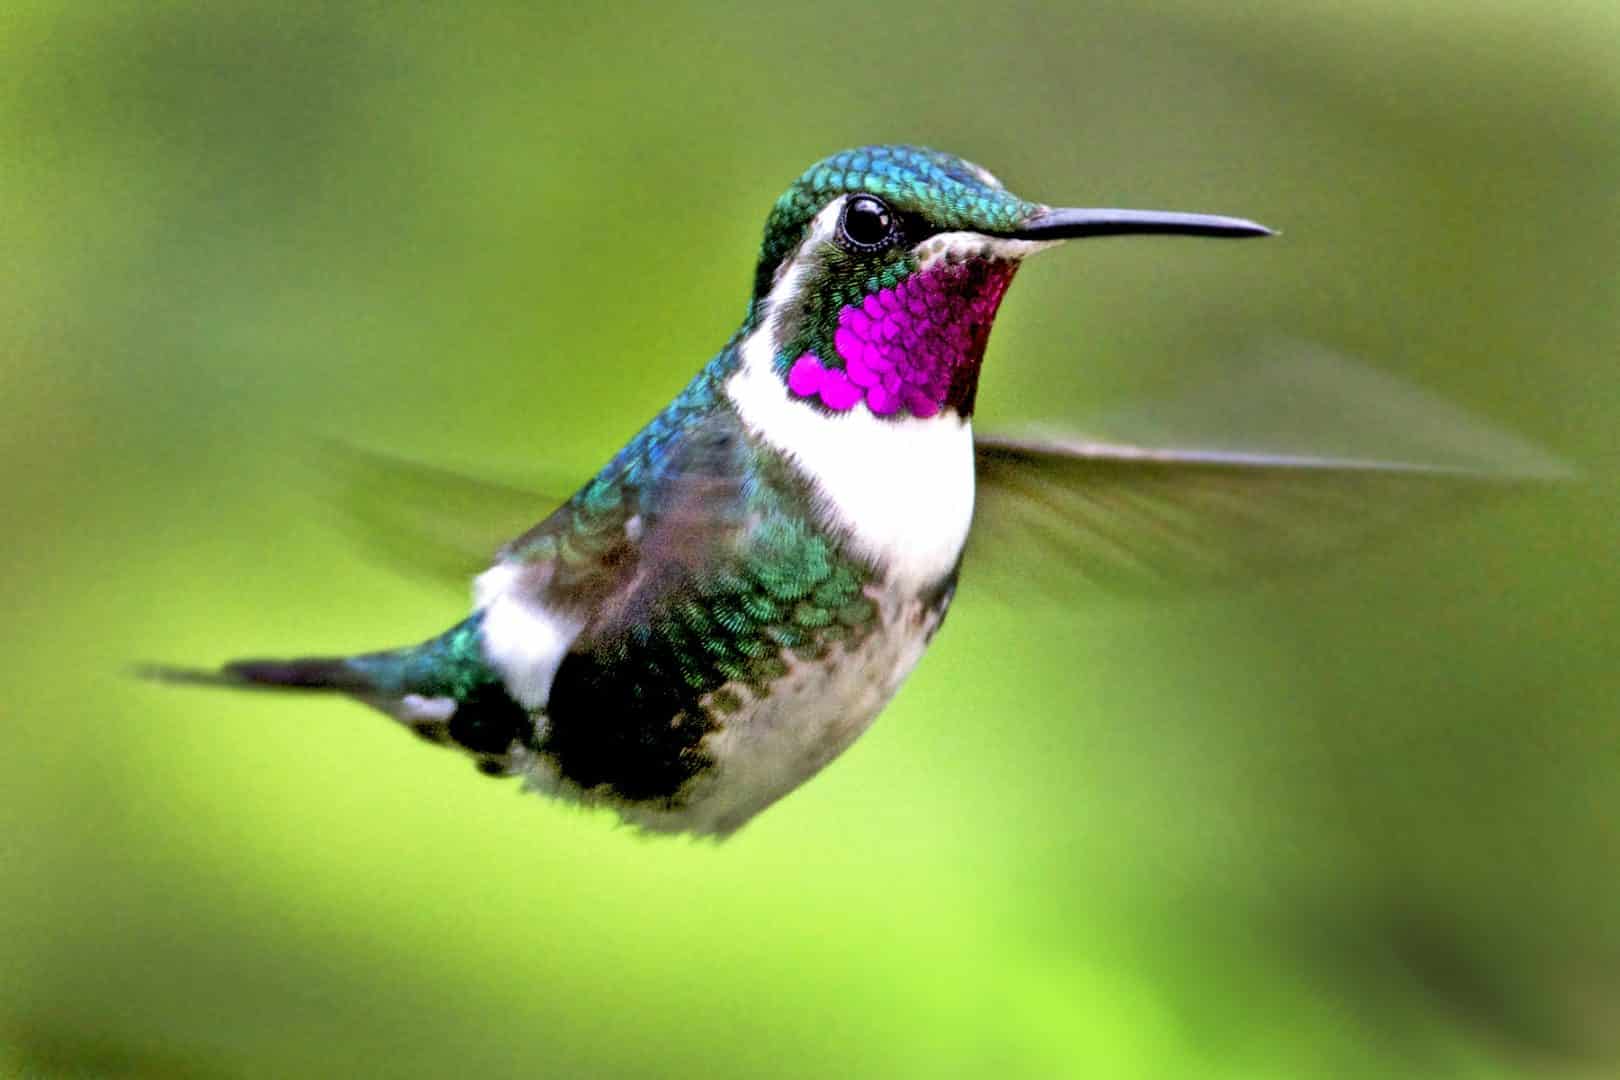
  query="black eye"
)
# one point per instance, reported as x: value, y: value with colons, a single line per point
x: 867, y: 223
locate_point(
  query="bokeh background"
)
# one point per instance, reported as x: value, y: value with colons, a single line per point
x: 1359, y: 821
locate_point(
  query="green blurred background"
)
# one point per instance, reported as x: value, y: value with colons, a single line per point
x: 1363, y: 821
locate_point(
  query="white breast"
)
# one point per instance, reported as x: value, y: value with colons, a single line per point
x: 902, y: 487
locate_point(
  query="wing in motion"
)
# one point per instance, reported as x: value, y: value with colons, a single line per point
x: 1124, y: 517
x: 1348, y: 454
x: 1164, y: 502
x: 430, y: 520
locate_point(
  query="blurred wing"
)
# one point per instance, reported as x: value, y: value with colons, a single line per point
x: 664, y: 518
x: 1054, y: 510
x: 429, y: 520
x: 1124, y: 516
x: 681, y: 487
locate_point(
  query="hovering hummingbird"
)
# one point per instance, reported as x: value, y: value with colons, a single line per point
x: 738, y: 593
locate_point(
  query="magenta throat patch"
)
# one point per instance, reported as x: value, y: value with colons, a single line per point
x: 914, y: 348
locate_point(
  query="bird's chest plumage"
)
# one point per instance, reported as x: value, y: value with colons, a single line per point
x: 780, y: 738
x: 899, y: 498
x: 786, y: 627
x: 898, y: 506
x: 899, y: 489
x: 793, y: 649
x: 750, y: 739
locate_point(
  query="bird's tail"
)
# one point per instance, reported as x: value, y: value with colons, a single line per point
x: 442, y: 689
x: 387, y: 681
x: 344, y: 674
x: 436, y: 666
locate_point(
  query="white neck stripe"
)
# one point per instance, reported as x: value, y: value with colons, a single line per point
x: 901, y: 487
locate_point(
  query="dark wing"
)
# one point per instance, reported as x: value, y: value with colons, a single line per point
x: 1054, y: 510
x: 670, y: 510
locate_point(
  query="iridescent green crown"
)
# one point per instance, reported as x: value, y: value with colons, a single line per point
x: 949, y: 192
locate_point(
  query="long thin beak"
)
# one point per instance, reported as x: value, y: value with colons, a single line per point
x: 1065, y: 223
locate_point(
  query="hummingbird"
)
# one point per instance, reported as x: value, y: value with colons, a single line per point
x: 730, y: 602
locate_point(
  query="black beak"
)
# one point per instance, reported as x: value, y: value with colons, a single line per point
x: 1067, y: 224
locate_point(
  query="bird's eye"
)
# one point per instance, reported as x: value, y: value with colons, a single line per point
x: 867, y: 223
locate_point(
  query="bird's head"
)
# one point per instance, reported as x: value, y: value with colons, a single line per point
x: 883, y: 266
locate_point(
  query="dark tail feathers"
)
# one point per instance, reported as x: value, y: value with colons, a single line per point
x: 302, y: 673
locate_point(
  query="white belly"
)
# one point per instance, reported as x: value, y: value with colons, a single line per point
x: 773, y: 744
x: 903, y: 487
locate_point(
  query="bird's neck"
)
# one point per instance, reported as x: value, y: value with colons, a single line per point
x: 899, y: 488
x: 910, y: 348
